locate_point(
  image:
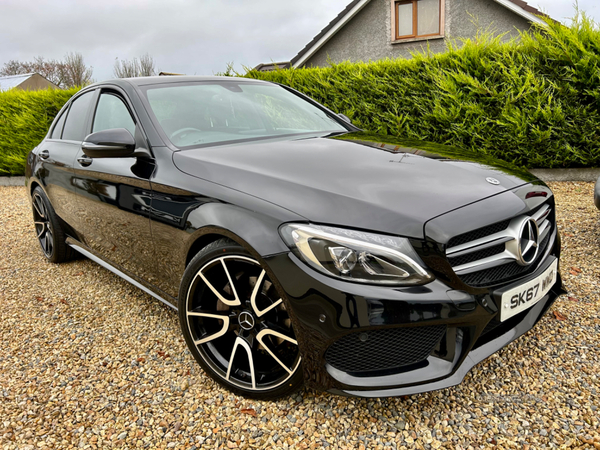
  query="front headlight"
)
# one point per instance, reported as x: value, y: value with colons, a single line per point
x: 356, y: 256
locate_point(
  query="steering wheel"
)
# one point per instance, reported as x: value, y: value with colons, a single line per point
x: 182, y: 132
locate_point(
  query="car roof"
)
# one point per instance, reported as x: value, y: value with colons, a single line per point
x: 145, y: 81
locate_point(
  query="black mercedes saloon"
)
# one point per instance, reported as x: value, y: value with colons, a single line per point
x: 296, y: 248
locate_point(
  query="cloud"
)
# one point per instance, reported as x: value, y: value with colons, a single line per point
x: 182, y: 36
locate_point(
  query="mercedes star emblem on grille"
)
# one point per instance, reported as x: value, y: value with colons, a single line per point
x: 528, y: 242
x: 246, y: 320
x: 492, y: 181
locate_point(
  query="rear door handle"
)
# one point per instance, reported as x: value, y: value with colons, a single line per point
x: 84, y: 160
x: 44, y: 154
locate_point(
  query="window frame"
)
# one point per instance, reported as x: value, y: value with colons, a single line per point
x: 415, y: 36
x: 60, y: 116
x: 94, y: 97
x: 120, y: 96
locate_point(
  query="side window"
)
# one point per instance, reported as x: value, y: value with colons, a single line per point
x: 112, y: 113
x: 75, y: 124
x: 59, y: 126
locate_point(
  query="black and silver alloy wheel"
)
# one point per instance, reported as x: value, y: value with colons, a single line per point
x: 43, y: 226
x: 237, y: 324
x: 48, y: 228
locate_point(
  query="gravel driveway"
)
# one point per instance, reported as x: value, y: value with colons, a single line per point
x: 88, y: 361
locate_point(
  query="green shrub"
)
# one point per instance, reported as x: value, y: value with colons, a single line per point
x: 533, y: 102
x: 25, y: 117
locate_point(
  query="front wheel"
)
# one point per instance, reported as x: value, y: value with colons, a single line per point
x: 236, y: 323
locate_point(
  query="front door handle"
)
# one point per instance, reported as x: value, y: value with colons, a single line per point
x: 44, y: 154
x: 84, y: 160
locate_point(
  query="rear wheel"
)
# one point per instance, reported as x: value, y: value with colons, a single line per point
x: 48, y: 229
x: 236, y: 323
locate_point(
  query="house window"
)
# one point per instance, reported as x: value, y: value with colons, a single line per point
x: 417, y: 18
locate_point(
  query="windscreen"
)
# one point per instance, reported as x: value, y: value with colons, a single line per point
x: 211, y: 113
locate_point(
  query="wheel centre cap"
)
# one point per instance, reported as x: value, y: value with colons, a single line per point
x: 246, y: 320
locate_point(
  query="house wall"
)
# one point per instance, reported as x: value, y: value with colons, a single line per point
x: 368, y: 35
x: 35, y: 83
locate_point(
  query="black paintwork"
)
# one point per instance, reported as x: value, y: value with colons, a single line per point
x: 150, y: 213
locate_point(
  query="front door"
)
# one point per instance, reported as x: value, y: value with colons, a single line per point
x: 114, y: 195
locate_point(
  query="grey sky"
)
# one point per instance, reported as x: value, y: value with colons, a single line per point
x: 193, y: 37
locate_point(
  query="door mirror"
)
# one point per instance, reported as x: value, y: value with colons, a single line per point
x: 114, y: 143
x: 345, y: 118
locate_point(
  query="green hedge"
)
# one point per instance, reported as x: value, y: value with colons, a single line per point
x: 24, y: 120
x: 534, y: 103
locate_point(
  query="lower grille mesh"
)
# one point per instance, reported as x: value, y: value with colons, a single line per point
x: 383, y: 349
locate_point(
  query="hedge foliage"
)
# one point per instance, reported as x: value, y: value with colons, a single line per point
x: 25, y: 117
x: 533, y: 102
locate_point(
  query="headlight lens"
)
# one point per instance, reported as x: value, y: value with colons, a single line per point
x: 356, y: 256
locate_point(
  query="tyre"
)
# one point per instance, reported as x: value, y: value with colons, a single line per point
x: 236, y: 323
x: 48, y: 229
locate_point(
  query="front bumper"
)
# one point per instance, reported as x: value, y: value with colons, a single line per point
x: 326, y: 311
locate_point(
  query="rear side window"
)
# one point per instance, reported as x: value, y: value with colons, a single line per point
x: 75, y: 125
x: 59, y: 127
x: 112, y: 113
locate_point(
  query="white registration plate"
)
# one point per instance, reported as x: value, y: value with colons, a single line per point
x: 525, y: 296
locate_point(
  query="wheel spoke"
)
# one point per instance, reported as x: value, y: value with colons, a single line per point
x: 221, y: 332
x: 234, y: 302
x: 278, y: 330
x: 43, y: 242
x: 38, y: 207
x: 255, y: 293
x: 266, y: 332
x: 230, y: 282
x: 239, y: 342
x: 42, y: 231
x: 49, y: 239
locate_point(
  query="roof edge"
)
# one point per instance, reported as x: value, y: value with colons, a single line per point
x: 532, y: 16
x: 327, y: 33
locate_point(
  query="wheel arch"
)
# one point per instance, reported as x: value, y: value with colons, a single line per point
x: 209, y: 234
x: 33, y: 184
x: 256, y: 232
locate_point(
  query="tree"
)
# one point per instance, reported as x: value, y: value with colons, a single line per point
x: 65, y: 74
x: 75, y: 72
x: 144, y: 67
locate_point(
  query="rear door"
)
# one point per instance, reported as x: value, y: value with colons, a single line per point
x: 57, y: 154
x: 113, y: 194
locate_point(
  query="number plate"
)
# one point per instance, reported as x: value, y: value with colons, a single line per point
x: 528, y: 294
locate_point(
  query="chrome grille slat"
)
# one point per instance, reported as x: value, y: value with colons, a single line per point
x: 544, y: 229
x: 541, y: 214
x: 486, y: 263
x: 478, y: 244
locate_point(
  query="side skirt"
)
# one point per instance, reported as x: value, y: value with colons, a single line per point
x: 116, y: 271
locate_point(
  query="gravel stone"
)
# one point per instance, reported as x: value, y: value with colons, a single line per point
x: 80, y: 367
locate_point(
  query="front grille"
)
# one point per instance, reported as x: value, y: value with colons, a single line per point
x: 381, y: 350
x: 505, y: 272
x: 482, y: 257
